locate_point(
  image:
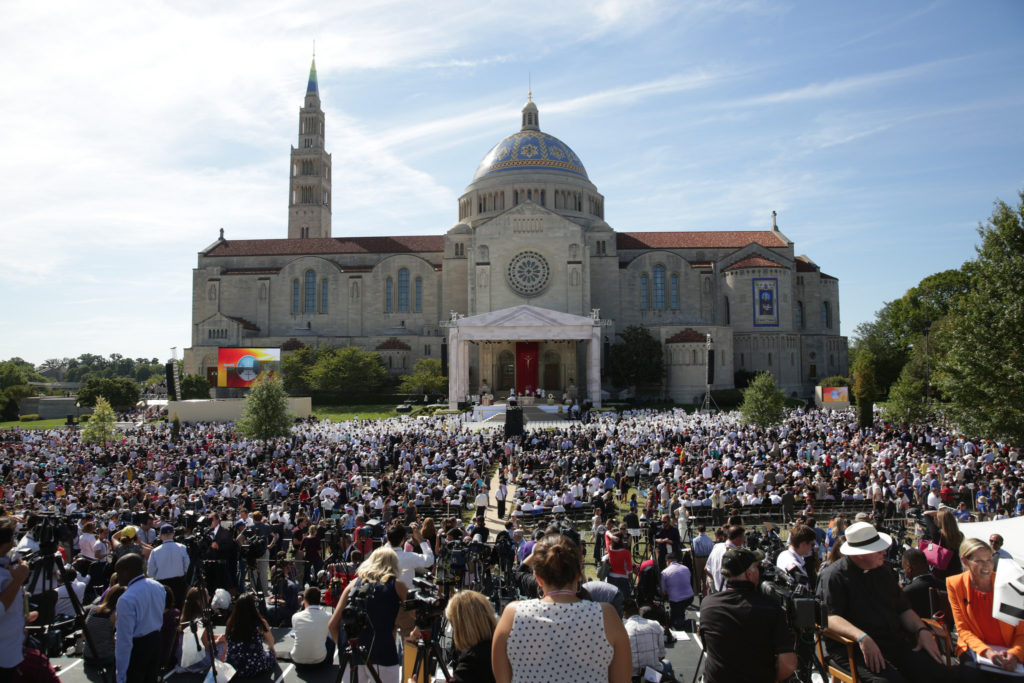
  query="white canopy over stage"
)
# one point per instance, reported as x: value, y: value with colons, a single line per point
x: 521, y: 323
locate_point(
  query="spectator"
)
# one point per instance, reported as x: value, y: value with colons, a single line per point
x: 472, y: 618
x: 978, y: 632
x: 921, y: 582
x: 646, y: 641
x: 313, y: 644
x: 620, y: 566
x: 677, y: 587
x: 250, y: 644
x: 99, y: 625
x: 531, y: 637
x: 139, y: 620
x: 735, y: 537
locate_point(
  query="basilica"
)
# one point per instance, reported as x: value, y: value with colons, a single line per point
x: 526, y: 292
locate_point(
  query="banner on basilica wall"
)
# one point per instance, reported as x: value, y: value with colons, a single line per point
x: 766, y: 301
x: 835, y: 395
x: 241, y: 367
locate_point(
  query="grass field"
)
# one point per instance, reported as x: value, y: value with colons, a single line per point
x: 37, y: 424
x: 345, y: 413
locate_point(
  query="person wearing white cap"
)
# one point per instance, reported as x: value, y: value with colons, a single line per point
x: 866, y: 605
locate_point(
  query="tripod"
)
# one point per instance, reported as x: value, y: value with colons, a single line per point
x: 347, y: 657
x: 428, y: 653
x: 206, y: 617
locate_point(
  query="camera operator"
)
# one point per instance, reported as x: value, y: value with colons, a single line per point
x: 168, y: 564
x: 796, y: 559
x: 376, y: 596
x: 667, y: 539
x: 13, y: 575
x: 745, y: 634
x: 408, y: 563
x: 866, y: 605
x: 472, y: 619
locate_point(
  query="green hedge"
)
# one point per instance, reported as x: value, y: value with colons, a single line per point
x: 30, y: 417
x: 84, y: 418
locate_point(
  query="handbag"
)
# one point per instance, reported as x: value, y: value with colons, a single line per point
x: 937, y: 556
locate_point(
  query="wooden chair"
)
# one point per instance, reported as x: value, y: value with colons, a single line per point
x: 834, y: 671
x: 939, y: 605
x: 942, y: 635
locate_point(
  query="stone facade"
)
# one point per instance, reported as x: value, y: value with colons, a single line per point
x: 530, y: 231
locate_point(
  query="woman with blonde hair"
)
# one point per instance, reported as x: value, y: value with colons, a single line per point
x: 380, y: 595
x: 970, y: 600
x: 472, y: 618
x: 532, y: 637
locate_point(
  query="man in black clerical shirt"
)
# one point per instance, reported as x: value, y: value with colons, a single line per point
x: 746, y: 639
x: 865, y: 604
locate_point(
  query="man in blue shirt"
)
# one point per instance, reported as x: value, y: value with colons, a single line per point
x: 140, y: 614
x: 676, y: 586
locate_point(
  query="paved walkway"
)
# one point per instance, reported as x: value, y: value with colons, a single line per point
x: 491, y: 516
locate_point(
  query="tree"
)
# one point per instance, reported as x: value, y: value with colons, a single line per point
x: 864, y: 388
x: 426, y: 378
x: 122, y: 393
x: 100, y: 427
x: 265, y: 414
x: 982, y: 368
x: 907, y: 396
x: 763, y: 401
x: 348, y: 368
x: 15, y: 376
x: 194, y: 386
x: 295, y: 367
x: 637, y: 361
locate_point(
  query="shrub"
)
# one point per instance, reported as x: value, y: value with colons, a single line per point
x: 30, y: 417
x: 84, y: 418
x: 835, y: 381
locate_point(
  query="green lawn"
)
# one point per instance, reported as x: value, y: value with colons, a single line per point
x: 344, y: 413
x: 37, y: 424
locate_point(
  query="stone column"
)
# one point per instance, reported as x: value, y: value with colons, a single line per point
x: 594, y: 367
x: 453, y: 367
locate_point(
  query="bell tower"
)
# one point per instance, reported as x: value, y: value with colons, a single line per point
x: 309, y: 187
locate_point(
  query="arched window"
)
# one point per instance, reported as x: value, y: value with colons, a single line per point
x: 419, y: 294
x: 323, y: 295
x: 659, y: 286
x: 309, y: 303
x: 643, y: 291
x: 726, y: 310
x: 799, y: 315
x: 403, y: 290
x: 826, y: 315
x: 295, y: 296
x: 674, y: 290
x: 389, y: 285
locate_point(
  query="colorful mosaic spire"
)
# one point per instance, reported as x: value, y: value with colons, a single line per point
x: 312, y: 87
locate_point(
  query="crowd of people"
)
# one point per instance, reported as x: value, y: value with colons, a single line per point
x: 304, y: 521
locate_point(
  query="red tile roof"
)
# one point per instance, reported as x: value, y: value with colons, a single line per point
x: 705, y: 239
x: 244, y: 323
x: 394, y: 343
x: 755, y: 262
x: 329, y: 245
x: 686, y: 337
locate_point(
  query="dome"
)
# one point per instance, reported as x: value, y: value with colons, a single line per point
x: 530, y: 149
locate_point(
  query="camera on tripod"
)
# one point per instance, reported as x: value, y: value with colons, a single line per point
x: 426, y: 600
x: 253, y: 547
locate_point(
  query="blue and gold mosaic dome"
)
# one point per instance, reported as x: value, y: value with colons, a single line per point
x: 530, y: 149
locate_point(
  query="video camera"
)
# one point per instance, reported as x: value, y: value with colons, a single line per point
x: 426, y: 600
x: 802, y: 608
x: 253, y: 546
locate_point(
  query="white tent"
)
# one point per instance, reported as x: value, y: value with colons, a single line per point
x: 1012, y: 531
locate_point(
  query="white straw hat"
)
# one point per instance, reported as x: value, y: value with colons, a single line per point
x: 863, y: 539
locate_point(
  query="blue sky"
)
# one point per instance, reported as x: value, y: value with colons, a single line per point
x: 881, y: 132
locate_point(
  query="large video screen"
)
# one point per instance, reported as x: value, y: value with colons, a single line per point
x: 241, y: 367
x: 835, y: 395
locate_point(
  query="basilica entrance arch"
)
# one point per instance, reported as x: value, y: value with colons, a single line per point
x: 526, y: 335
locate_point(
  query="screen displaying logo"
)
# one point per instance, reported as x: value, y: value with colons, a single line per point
x: 835, y: 395
x: 241, y: 367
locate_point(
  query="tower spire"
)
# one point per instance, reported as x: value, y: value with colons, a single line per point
x: 311, y: 87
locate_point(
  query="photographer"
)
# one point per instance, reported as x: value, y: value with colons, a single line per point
x: 745, y: 632
x: 376, y: 595
x: 408, y: 563
x: 12, y: 604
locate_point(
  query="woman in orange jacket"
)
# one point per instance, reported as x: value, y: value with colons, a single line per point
x: 970, y: 599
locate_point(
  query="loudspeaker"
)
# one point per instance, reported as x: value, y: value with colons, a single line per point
x: 711, y: 366
x: 513, y: 422
x: 70, y: 420
x: 169, y: 369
